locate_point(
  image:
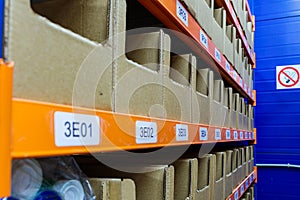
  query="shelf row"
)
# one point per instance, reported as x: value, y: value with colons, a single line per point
x: 174, y: 15
x: 242, y: 188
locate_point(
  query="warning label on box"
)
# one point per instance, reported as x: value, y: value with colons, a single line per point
x: 287, y: 77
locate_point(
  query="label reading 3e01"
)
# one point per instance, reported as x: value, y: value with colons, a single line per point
x: 203, y: 133
x: 146, y: 132
x: 71, y: 129
x: 203, y: 39
x: 218, y: 134
x: 182, y: 132
x: 182, y: 13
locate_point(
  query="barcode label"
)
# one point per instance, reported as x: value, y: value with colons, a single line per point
x: 218, y: 134
x: 182, y: 13
x: 203, y: 133
x: 204, y: 39
x: 228, y: 135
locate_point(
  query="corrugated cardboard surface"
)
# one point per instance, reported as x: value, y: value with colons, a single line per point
x: 219, y: 187
x: 203, y: 12
x: 240, y: 118
x: 186, y: 173
x: 113, y: 189
x: 204, y: 93
x: 228, y: 106
x: 235, y: 167
x: 230, y: 36
x: 218, y: 108
x: 235, y: 110
x: 206, y: 177
x: 229, y: 175
x: 47, y: 62
x: 219, y: 28
x: 157, y: 184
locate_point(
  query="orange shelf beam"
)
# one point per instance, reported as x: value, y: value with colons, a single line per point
x: 166, y: 12
x: 238, y: 192
x: 34, y: 132
x: 6, y: 76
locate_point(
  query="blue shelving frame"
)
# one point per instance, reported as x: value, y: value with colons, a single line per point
x: 1, y: 26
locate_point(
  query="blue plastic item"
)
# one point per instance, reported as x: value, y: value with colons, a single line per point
x: 1, y: 26
x: 48, y: 195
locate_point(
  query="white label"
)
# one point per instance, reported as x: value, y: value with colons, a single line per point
x: 203, y: 39
x: 228, y: 135
x: 234, y: 75
x: 246, y: 183
x: 235, y: 135
x: 218, y: 134
x: 182, y: 13
x: 236, y: 195
x: 146, y: 132
x: 227, y: 67
x: 241, y: 135
x: 182, y: 132
x: 242, y: 189
x: 203, y: 133
x: 246, y: 135
x: 249, y: 90
x: 217, y: 55
x: 71, y: 129
x: 245, y: 87
x: 241, y: 82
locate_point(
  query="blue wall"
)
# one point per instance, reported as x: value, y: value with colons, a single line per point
x: 1, y: 25
x: 277, y: 115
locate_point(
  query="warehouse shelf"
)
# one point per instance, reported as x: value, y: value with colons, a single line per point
x: 233, y: 17
x: 39, y: 129
x: 166, y: 12
x: 238, y: 192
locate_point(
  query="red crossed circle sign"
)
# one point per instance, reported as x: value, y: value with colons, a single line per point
x: 288, y: 77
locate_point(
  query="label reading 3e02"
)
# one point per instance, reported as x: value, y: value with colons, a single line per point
x: 182, y: 13
x: 146, y: 132
x: 203, y: 133
x: 71, y: 129
x: 182, y: 132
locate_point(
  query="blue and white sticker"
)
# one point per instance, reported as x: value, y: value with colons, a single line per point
x: 204, y: 39
x: 218, y: 134
x: 227, y: 66
x: 241, y: 82
x: 247, y: 183
x: 234, y: 75
x: 228, y: 135
x: 146, y: 132
x: 182, y: 13
x: 236, y: 195
x: 241, y: 135
x: 242, y: 189
x: 203, y: 132
x: 246, y: 135
x: 182, y: 132
x: 217, y: 55
x: 235, y: 135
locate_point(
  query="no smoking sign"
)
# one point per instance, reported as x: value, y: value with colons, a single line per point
x: 287, y: 77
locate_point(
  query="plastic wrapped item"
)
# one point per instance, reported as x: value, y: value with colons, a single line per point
x: 57, y: 178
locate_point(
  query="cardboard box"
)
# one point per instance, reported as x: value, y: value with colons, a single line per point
x: 250, y: 119
x: 243, y: 163
x: 240, y: 112
x: 49, y: 50
x: 204, y: 92
x: 112, y: 189
x: 237, y: 54
x: 186, y: 173
x: 219, y: 28
x: 235, y: 110
x: 228, y: 106
x: 229, y: 39
x: 235, y: 167
x: 155, y: 184
x: 219, y: 187
x: 206, y: 177
x: 229, y: 175
x: 245, y: 116
x: 203, y: 12
x: 251, y: 159
x: 247, y: 158
x: 218, y: 108
x: 178, y: 88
